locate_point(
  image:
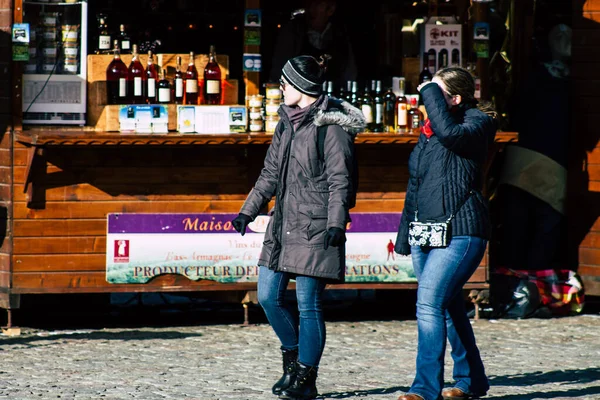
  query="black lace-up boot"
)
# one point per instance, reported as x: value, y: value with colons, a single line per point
x: 290, y: 359
x: 304, y: 386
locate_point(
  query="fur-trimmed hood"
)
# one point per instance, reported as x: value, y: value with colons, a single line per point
x: 340, y: 112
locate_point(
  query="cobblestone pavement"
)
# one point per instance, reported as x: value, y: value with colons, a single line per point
x: 525, y: 359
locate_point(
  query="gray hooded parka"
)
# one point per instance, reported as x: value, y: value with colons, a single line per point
x: 311, y: 195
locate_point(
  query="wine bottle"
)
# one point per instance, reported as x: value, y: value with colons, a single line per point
x: 191, y: 82
x: 367, y: 106
x: 425, y: 75
x: 151, y: 79
x: 401, y: 108
x: 164, y: 88
x: 342, y: 93
x: 178, y: 81
x: 389, y: 110
x: 442, y: 59
x: 116, y: 78
x: 124, y: 41
x: 329, y: 88
x: 378, y: 100
x: 354, y: 97
x: 415, y: 116
x: 137, y: 79
x: 211, y: 90
x: 103, y: 43
x: 373, y: 88
x: 455, y: 58
x: 348, y: 97
x: 431, y: 56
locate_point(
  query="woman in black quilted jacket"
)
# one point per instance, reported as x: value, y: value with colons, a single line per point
x: 445, y: 184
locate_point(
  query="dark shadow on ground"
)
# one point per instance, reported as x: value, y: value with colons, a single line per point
x: 579, y: 376
x: 127, y: 335
x: 134, y: 310
x: 554, y: 394
x: 539, y: 378
x: 362, y: 393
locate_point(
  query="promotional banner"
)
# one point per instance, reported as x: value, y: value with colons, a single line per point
x: 205, y: 246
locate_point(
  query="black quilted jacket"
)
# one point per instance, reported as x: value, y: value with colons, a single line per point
x: 445, y: 167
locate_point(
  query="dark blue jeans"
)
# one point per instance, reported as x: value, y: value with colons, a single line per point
x: 302, y: 327
x: 441, y: 274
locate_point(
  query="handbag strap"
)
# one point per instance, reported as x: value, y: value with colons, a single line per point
x: 462, y: 203
x: 460, y: 206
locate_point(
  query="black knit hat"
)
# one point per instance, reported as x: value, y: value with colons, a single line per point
x: 305, y: 74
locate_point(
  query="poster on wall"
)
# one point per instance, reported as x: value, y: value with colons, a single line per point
x: 140, y: 247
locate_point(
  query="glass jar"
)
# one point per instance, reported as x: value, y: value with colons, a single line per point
x: 257, y: 125
x: 255, y: 100
x: 272, y: 106
x: 255, y: 113
x: 271, y: 123
x: 273, y: 91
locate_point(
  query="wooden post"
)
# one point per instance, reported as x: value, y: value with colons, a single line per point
x: 251, y: 78
x: 17, y: 76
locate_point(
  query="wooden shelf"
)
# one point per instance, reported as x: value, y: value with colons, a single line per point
x: 83, y: 137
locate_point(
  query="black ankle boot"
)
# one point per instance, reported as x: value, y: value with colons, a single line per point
x: 290, y: 358
x: 304, y: 386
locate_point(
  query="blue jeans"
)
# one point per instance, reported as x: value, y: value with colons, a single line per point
x: 441, y: 274
x: 302, y: 328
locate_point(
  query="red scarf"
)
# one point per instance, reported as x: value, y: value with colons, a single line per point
x: 426, y: 129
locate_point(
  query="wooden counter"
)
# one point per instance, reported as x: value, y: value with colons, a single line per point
x: 78, y: 137
x: 65, y: 182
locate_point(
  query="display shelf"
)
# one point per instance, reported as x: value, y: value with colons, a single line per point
x: 83, y: 137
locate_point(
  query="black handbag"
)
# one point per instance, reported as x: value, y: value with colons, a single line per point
x: 432, y: 234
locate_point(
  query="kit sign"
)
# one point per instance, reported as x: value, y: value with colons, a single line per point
x: 206, y: 246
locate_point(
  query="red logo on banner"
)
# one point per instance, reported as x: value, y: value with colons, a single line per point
x: 121, y: 251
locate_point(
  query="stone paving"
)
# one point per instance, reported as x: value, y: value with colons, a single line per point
x: 525, y: 359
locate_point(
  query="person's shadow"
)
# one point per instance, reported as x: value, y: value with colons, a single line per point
x: 583, y: 188
x: 587, y: 376
x: 362, y: 393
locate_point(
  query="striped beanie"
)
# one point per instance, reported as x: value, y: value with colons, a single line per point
x: 305, y: 74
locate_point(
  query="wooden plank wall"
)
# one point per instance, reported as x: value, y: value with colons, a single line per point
x: 584, y: 168
x: 61, y: 248
x: 6, y: 18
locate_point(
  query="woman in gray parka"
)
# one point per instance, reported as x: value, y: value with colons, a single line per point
x: 305, y: 238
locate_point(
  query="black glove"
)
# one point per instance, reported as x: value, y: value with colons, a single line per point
x: 335, y: 237
x: 241, y: 222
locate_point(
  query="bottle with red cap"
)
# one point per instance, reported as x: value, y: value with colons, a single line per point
x: 415, y: 117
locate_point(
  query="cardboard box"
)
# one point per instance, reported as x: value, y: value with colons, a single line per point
x: 443, y: 37
x: 105, y: 117
x: 212, y: 119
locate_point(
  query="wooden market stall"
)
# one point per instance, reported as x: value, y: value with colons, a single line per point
x: 59, y: 184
